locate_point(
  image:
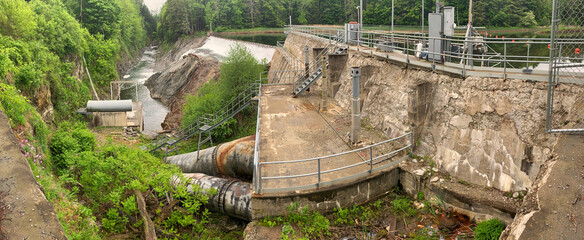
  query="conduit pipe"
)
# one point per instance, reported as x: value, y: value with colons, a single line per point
x: 109, y: 106
x: 233, y: 197
x: 232, y: 159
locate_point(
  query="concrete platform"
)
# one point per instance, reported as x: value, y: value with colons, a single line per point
x: 292, y: 129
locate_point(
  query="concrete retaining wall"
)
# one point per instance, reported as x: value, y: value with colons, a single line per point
x: 485, y: 131
x: 327, y: 199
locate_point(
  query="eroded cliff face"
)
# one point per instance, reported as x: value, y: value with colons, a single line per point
x: 485, y: 131
x: 182, y: 78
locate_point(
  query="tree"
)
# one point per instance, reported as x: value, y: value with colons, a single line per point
x: 17, y: 19
x: 528, y: 19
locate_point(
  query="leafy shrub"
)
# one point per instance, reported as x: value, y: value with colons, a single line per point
x: 19, y: 111
x: 489, y: 230
x: 238, y: 71
x: 115, y: 221
x: 313, y: 225
x: 69, y: 140
x: 403, y: 206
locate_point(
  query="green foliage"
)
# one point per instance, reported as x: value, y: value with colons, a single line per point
x: 68, y: 141
x: 313, y: 225
x: 489, y: 230
x: 17, y: 19
x: 403, y: 206
x: 114, y: 221
x: 238, y: 71
x: 528, y: 19
x: 19, y: 111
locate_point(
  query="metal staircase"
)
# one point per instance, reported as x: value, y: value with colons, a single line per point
x: 315, y: 68
x: 205, y: 124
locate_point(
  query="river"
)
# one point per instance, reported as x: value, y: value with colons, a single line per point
x: 153, y: 110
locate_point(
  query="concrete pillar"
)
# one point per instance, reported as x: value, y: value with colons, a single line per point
x: 356, y: 113
x: 325, y: 85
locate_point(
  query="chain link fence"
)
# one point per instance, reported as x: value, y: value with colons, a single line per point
x: 565, y: 103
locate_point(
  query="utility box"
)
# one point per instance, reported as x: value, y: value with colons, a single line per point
x: 449, y: 24
x: 352, y: 31
x: 436, y: 33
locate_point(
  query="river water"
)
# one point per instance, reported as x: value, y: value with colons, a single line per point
x: 153, y: 110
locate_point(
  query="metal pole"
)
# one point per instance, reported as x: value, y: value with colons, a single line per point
x: 318, y: 172
x: 356, y: 115
x: 505, y: 62
x: 392, y: 1
x: 411, y: 144
x: 549, y: 108
x: 423, y: 20
x: 259, y: 176
x: 361, y: 14
x: 325, y: 85
x: 527, y: 62
x: 370, y: 159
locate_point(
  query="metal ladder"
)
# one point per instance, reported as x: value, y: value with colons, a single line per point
x: 205, y: 124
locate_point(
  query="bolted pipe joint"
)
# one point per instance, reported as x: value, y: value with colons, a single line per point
x: 356, y: 109
x: 233, y: 159
x: 233, y: 197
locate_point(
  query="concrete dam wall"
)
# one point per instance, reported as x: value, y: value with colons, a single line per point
x: 485, y: 131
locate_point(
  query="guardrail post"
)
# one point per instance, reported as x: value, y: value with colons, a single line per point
x: 411, y: 144
x: 259, y: 176
x: 318, y: 173
x: 505, y: 61
x: 370, y: 159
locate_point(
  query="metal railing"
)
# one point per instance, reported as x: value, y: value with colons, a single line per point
x: 379, y: 159
x: 234, y: 106
x: 506, y: 56
x: 565, y: 103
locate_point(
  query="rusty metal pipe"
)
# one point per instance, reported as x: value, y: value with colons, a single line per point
x: 233, y: 197
x: 232, y: 159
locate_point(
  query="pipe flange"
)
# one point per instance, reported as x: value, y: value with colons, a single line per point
x: 214, y: 161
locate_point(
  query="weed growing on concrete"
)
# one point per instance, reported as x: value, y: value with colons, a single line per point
x: 489, y: 230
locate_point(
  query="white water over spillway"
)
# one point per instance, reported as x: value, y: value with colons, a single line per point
x: 153, y: 110
x: 219, y: 49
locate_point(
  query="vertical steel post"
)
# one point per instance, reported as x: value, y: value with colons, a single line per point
x: 356, y: 115
x: 411, y: 144
x: 306, y: 60
x: 259, y: 177
x: 318, y: 173
x: 549, y: 108
x: 325, y: 85
x: 370, y: 159
x: 505, y: 61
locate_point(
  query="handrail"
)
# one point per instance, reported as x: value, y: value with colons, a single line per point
x: 373, y: 38
x: 235, y: 105
x: 258, y: 178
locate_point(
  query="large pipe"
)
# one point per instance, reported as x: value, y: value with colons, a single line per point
x: 109, y: 106
x: 233, y: 197
x: 232, y: 159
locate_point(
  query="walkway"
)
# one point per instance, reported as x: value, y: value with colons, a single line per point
x: 292, y: 129
x: 559, y: 196
x: 28, y: 214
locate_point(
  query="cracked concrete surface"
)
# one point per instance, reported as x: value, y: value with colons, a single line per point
x: 28, y: 214
x: 554, y: 207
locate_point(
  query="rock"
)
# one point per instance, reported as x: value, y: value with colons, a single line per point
x: 515, y: 195
x: 418, y: 205
x: 414, y: 160
x: 435, y: 169
x: 461, y: 121
x: 419, y: 172
x: 434, y: 179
